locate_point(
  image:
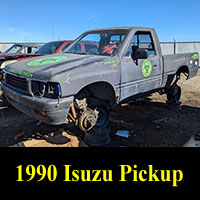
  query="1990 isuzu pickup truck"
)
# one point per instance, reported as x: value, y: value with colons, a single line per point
x: 120, y: 64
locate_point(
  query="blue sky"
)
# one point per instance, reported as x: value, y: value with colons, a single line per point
x: 46, y: 20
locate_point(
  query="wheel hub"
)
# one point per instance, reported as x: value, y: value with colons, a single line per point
x: 88, y: 120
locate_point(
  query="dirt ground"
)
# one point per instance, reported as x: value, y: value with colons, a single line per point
x: 150, y: 122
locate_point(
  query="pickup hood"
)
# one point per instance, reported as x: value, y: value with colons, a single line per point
x: 46, y: 67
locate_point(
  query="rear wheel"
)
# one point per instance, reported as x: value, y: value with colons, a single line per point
x: 174, y: 94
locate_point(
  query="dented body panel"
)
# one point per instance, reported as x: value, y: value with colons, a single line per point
x: 127, y: 77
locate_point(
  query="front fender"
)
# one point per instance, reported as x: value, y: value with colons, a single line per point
x: 75, y: 80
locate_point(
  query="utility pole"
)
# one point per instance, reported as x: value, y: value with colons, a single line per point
x: 174, y: 47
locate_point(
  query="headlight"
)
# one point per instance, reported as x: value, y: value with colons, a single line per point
x: 191, y: 62
x: 41, y: 89
x: 48, y: 90
x: 57, y: 89
x: 196, y: 63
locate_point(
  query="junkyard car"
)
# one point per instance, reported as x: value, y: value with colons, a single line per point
x: 18, y: 51
x: 120, y: 64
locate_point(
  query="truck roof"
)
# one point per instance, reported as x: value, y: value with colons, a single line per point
x: 61, y: 41
x: 121, y: 28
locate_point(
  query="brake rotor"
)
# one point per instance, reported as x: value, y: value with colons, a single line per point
x: 88, y: 120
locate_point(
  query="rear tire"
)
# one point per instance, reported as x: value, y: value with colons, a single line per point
x: 174, y: 95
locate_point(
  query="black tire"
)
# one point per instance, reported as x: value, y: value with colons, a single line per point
x: 97, y: 138
x: 174, y: 94
x: 103, y: 119
x: 93, y: 120
x: 95, y: 134
x: 99, y: 135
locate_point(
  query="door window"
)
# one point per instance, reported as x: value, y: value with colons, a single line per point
x: 142, y: 40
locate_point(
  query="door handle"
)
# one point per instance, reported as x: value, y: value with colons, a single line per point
x: 155, y: 65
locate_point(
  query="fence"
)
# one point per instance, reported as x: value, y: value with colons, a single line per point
x: 5, y: 45
x: 179, y: 47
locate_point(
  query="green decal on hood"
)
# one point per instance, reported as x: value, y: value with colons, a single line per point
x: 195, y: 56
x: 45, y: 61
x: 146, y: 68
x: 22, y: 73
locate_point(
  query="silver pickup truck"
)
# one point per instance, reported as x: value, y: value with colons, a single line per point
x: 117, y: 65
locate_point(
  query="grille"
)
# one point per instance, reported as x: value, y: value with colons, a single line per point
x: 16, y: 82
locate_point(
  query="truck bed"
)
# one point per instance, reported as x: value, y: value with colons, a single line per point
x: 174, y: 62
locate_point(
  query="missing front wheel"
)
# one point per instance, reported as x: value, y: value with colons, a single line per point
x: 92, y: 120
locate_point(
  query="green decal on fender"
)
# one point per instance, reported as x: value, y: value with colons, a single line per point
x: 45, y: 61
x: 146, y: 68
x: 110, y: 62
x: 20, y: 72
x: 113, y: 62
x: 195, y: 56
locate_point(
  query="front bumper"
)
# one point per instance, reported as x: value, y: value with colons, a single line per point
x: 50, y: 111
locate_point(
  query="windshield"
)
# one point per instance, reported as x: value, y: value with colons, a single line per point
x: 98, y: 43
x: 14, y: 48
x: 49, y: 48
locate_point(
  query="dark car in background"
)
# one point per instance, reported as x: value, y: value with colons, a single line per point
x: 53, y: 47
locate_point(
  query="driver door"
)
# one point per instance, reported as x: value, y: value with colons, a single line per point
x: 144, y: 75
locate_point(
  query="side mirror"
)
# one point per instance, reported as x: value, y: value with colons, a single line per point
x: 139, y: 54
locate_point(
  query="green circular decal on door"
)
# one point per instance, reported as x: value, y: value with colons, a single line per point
x: 45, y: 61
x: 146, y: 68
